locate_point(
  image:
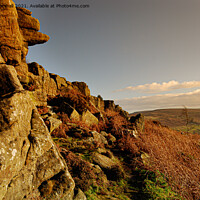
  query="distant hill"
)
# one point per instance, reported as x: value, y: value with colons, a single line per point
x: 176, y: 118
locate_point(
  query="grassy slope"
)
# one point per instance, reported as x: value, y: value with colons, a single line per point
x: 175, y: 118
x: 158, y: 164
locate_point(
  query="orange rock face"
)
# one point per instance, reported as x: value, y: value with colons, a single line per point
x: 10, y: 37
x: 18, y: 30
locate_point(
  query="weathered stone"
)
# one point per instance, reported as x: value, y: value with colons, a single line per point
x: 28, y: 156
x: 70, y: 111
x: 82, y: 87
x: 121, y: 111
x: 38, y: 97
x: 22, y: 72
x: 111, y: 168
x: 103, y: 161
x: 41, y: 79
x: 17, y: 31
x: 8, y: 80
x: 138, y: 122
x: 99, y: 137
x: 133, y: 132
x: 80, y: 195
x: 2, y: 61
x: 53, y: 123
x: 109, y: 104
x: 145, y: 158
x: 26, y: 21
x: 89, y: 118
x: 10, y: 55
x: 33, y: 37
x: 99, y: 116
x: 105, y: 152
x: 110, y: 138
x: 98, y: 102
x: 10, y: 38
x: 36, y: 69
x: 42, y: 84
x: 60, y: 81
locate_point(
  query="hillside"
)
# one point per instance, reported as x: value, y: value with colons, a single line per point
x: 176, y: 118
x: 59, y: 142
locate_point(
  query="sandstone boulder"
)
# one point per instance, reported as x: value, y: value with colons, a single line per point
x: 60, y: 81
x: 10, y: 37
x: 98, y: 102
x: 89, y: 118
x: 110, y: 168
x: 42, y: 84
x: 22, y: 72
x: 121, y: 111
x: 33, y: 37
x: 80, y: 195
x: 82, y: 87
x: 8, y: 80
x: 70, y: 111
x: 99, y: 138
x: 26, y: 21
x: 53, y: 123
x: 138, y: 122
x: 109, y: 104
x: 2, y: 61
x: 28, y: 156
x: 17, y: 30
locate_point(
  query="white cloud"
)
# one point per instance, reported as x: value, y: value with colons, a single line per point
x: 190, y: 99
x: 165, y: 86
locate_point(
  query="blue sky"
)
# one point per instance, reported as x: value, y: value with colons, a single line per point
x: 142, y: 53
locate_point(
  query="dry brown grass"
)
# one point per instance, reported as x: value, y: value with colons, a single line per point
x: 175, y: 155
x: 116, y: 123
x: 81, y: 170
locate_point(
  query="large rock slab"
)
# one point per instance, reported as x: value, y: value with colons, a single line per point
x: 25, y: 20
x: 60, y: 81
x: 43, y: 85
x: 70, y: 111
x: 8, y: 80
x: 110, y: 167
x: 33, y: 37
x: 10, y: 37
x: 89, y: 118
x: 138, y: 122
x: 28, y: 157
x: 82, y: 87
x: 98, y: 102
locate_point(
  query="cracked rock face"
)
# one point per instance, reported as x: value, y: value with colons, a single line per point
x: 18, y: 30
x: 30, y: 164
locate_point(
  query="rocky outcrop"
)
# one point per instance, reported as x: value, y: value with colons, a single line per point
x: 109, y: 104
x: 17, y: 30
x: 98, y: 102
x: 82, y: 87
x: 28, y: 157
x: 138, y: 122
x: 80, y: 195
x: 60, y: 81
x: 10, y: 37
x: 9, y: 82
x: 29, y: 27
x: 41, y: 84
x: 70, y: 111
x: 26, y: 21
x: 31, y: 165
x: 110, y: 167
x: 89, y: 118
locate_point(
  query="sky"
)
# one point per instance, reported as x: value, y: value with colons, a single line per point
x: 144, y: 54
